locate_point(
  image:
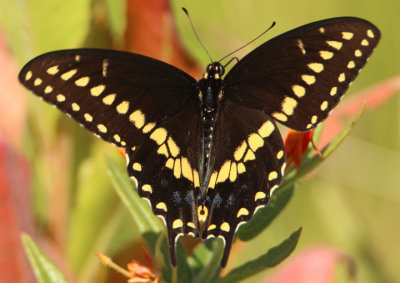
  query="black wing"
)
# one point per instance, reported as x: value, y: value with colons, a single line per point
x: 136, y: 102
x: 249, y: 162
x: 299, y: 76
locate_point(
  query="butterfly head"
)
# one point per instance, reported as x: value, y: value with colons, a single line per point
x: 214, y: 71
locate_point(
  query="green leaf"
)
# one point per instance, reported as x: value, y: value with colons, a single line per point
x: 264, y: 216
x: 211, y: 265
x: 45, y: 270
x: 37, y: 26
x: 148, y: 224
x: 270, y: 259
x: 312, y: 162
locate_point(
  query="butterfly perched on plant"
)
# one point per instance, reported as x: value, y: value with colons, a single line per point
x: 209, y: 150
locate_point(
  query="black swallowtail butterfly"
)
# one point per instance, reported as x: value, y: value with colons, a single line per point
x: 207, y: 150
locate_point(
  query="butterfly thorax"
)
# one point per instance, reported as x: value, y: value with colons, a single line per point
x: 210, y: 96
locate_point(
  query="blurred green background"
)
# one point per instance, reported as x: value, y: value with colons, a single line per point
x: 351, y: 202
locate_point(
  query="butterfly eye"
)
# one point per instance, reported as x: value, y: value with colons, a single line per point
x: 221, y: 70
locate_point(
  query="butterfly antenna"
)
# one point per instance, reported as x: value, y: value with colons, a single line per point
x: 240, y: 48
x: 195, y: 33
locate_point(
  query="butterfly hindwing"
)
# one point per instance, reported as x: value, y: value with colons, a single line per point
x: 248, y: 164
x: 165, y: 171
x: 299, y: 76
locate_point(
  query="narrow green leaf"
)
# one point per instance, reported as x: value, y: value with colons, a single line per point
x: 309, y: 164
x: 184, y: 271
x: 270, y: 259
x: 212, y: 267
x: 45, y: 270
x: 264, y: 216
x: 148, y: 224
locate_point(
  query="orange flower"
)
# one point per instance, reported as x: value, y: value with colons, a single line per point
x: 296, y: 145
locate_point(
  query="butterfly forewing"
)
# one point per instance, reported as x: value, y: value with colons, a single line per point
x: 248, y: 164
x: 299, y: 76
x: 117, y: 95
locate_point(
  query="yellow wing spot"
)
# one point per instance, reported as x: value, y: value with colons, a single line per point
x: 82, y: 81
x: 333, y: 91
x: 211, y: 227
x: 162, y: 150
x: 37, y: 82
x: 288, y: 105
x: 127, y: 159
x: 53, y: 70
x: 324, y: 105
x: 177, y: 224
x: 67, y: 75
x: 102, y: 128
x: 241, y: 168
x: 321, y: 30
x: 347, y: 35
x: 148, y: 127
x: 298, y: 90
x: 191, y: 225
x: 169, y: 163
x: 316, y: 67
x: 301, y: 46
x: 48, y: 89
x: 196, y: 179
x: 177, y: 169
x: 314, y: 119
x: 97, y: 90
x: 75, y: 106
x: 162, y: 206
x: 308, y: 79
x: 134, y: 180
x: 224, y: 172
x: 117, y: 138
x: 266, y: 129
x: 213, y: 179
x: 364, y: 42
x: 147, y: 188
x: 326, y: 55
x: 104, y: 67
x: 202, y: 212
x: 137, y: 118
x: 225, y: 227
x: 370, y: 33
x: 133, y: 148
x: 272, y: 176
x: 259, y: 195
x: 249, y: 155
x: 351, y: 64
x: 255, y: 141
x: 342, y: 77
x: 77, y: 58
x: 358, y: 53
x: 109, y: 99
x: 240, y: 150
x: 123, y: 107
x: 173, y: 148
x: 88, y: 117
x: 28, y: 76
x: 283, y: 168
x: 233, y: 172
x: 309, y: 126
x: 159, y: 135
x: 280, y: 116
x: 137, y: 166
x: 242, y: 212
x: 123, y: 143
x: 273, y: 189
x: 335, y: 44
x: 186, y: 169
x: 60, y: 98
x: 279, y: 155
